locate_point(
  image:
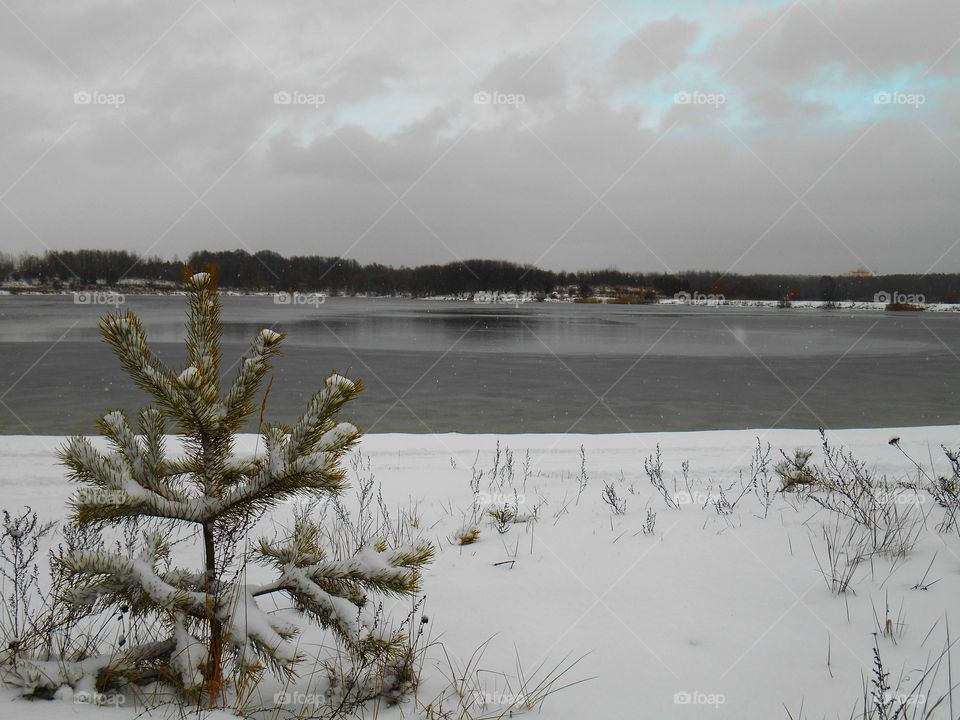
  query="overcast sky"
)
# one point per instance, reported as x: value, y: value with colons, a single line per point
x: 808, y: 136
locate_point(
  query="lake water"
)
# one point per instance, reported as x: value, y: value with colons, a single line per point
x: 436, y: 366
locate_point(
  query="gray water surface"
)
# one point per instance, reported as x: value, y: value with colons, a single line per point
x: 437, y: 366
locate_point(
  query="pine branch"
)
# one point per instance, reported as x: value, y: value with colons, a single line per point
x: 390, y: 572
x: 103, y: 578
x: 265, y: 635
x: 240, y: 399
x: 204, y: 329
x: 115, y: 493
x: 283, y: 476
x: 104, y: 672
x: 310, y: 432
x: 335, y: 592
x: 125, y: 334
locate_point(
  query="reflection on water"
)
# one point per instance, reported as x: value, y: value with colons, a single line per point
x: 442, y: 366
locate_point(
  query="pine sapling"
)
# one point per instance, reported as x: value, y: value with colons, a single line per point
x: 212, y: 616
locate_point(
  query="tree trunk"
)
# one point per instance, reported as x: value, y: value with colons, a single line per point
x: 213, y: 676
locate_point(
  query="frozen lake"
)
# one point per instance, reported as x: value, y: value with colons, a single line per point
x: 539, y: 367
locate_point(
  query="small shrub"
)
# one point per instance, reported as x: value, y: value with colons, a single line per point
x: 466, y: 536
x: 502, y: 516
x: 795, y: 472
x: 20, y: 539
x: 650, y: 525
x: 846, y: 486
x: 475, y: 692
x: 653, y: 467
x: 843, y: 556
x: 946, y: 493
x: 760, y: 479
x: 617, y: 504
x: 582, y: 478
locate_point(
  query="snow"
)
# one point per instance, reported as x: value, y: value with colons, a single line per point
x: 720, y: 616
x: 189, y: 375
x: 341, y: 612
x: 251, y: 624
x: 340, y: 382
x: 160, y: 591
x: 189, y: 656
x: 334, y: 436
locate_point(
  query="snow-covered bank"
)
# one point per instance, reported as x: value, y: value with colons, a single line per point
x: 417, y: 463
x: 495, y: 299
x: 517, y: 299
x: 724, y: 616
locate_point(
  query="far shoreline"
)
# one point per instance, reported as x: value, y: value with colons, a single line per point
x: 99, y: 295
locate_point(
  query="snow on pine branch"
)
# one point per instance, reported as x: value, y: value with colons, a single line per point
x: 239, y: 399
x: 106, y: 577
x: 134, y: 481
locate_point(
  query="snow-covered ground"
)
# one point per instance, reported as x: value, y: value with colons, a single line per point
x: 711, y: 615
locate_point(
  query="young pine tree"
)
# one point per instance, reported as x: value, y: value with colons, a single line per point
x: 211, y: 614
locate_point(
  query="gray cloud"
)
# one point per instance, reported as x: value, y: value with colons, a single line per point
x: 692, y: 185
x: 653, y: 50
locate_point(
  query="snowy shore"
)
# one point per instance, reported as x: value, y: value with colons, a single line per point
x: 713, y: 615
x: 486, y: 299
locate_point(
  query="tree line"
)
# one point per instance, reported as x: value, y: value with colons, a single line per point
x: 269, y: 271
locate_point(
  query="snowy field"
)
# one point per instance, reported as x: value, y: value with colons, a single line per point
x: 713, y: 614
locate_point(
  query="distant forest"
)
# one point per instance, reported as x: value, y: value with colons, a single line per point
x: 269, y: 271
